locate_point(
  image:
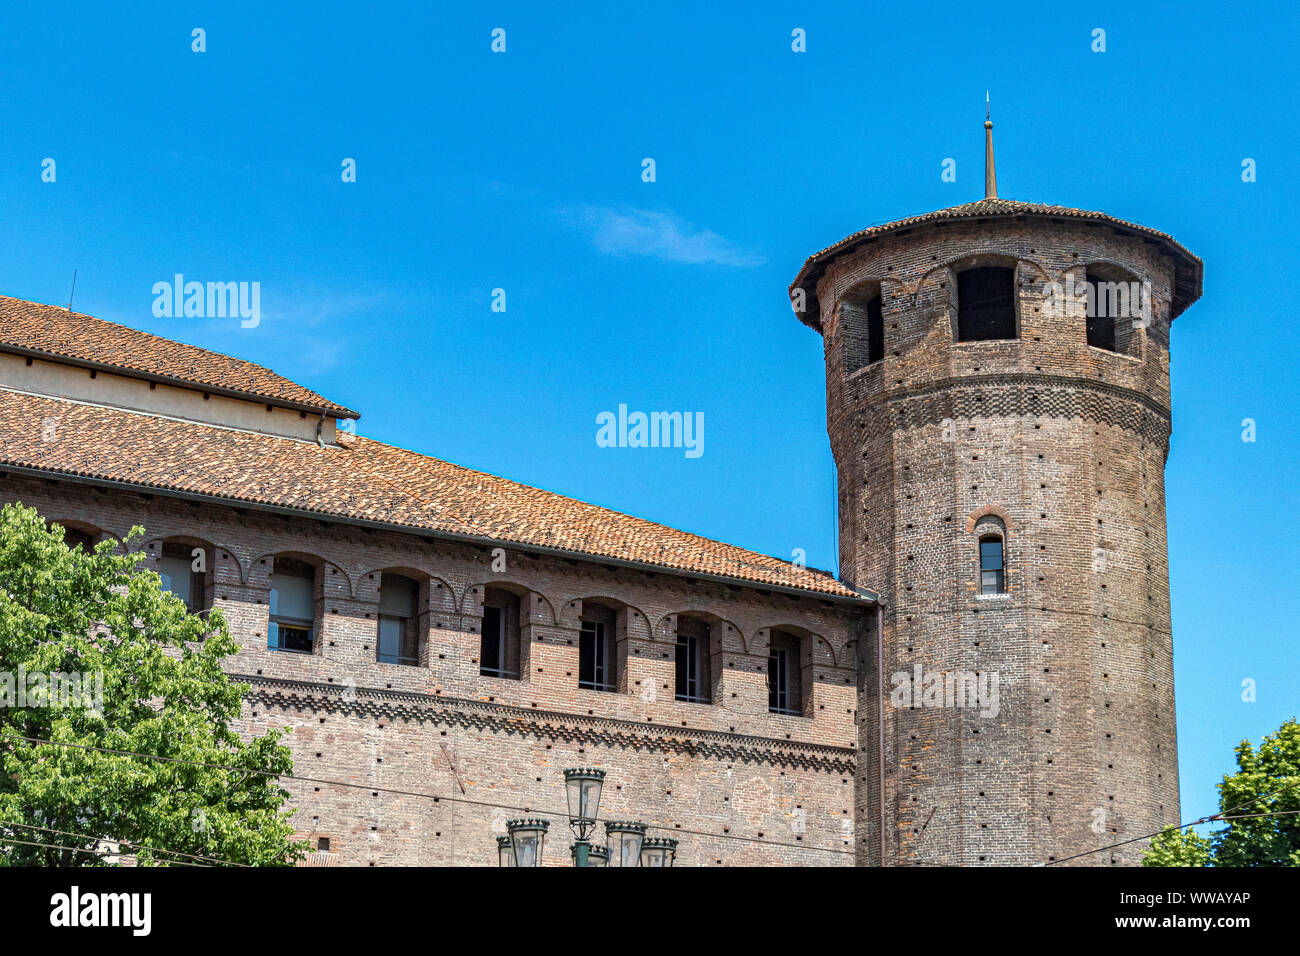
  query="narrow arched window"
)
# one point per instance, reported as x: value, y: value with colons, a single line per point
x: 992, y: 579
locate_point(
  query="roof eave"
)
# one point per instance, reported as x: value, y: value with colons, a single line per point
x: 329, y: 411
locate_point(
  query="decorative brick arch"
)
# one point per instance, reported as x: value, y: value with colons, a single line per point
x: 731, y: 637
x: 635, y: 614
x: 534, y: 606
x: 310, y: 557
x: 986, y: 511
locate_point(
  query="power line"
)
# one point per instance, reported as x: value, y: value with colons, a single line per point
x: 1221, y: 815
x: 77, y: 849
x: 1271, y: 813
x: 437, y: 798
x: 121, y: 842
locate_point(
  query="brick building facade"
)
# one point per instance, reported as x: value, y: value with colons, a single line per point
x: 430, y: 633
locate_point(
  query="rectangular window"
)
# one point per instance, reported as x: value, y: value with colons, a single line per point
x: 594, y: 656
x: 177, y: 578
x: 694, y: 668
x: 398, y: 620
x: 397, y: 640
x: 289, y: 637
x: 176, y: 568
x: 986, y: 306
x: 991, y: 580
x: 492, y: 646
x: 1102, y: 311
x: 778, y: 681
x: 292, y: 619
x: 875, y: 331
x: 688, y: 667
x: 785, y: 677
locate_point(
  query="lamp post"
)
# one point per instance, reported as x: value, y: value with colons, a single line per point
x: 626, y: 839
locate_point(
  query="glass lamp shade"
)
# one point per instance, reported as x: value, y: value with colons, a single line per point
x: 658, y: 851
x: 582, y: 786
x: 505, y: 852
x: 527, y: 838
x: 624, y: 838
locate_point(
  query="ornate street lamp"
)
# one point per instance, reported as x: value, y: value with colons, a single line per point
x: 527, y: 837
x: 624, y: 838
x: 658, y: 851
x: 582, y: 786
x: 505, y: 852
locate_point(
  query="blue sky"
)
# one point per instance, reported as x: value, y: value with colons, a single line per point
x: 522, y: 171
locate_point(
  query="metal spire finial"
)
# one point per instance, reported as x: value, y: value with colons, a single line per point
x: 990, y: 175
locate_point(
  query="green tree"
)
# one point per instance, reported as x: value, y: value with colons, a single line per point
x: 1259, y: 805
x: 161, y: 691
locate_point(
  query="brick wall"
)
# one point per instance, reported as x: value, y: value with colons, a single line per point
x: 736, y: 784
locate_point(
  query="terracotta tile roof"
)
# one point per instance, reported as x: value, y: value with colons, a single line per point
x: 30, y: 328
x: 1187, y: 267
x: 364, y: 480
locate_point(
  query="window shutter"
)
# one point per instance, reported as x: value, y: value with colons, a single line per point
x: 292, y: 597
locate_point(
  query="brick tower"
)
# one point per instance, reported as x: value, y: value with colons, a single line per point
x: 997, y: 384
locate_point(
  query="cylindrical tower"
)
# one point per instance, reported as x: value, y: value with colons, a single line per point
x: 997, y: 383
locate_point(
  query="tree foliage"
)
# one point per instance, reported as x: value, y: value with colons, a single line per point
x: 164, y: 693
x: 1259, y: 806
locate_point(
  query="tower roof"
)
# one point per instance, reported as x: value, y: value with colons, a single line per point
x: 1187, y: 266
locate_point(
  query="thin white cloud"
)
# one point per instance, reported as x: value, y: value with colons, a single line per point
x: 643, y: 232
x: 306, y: 330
